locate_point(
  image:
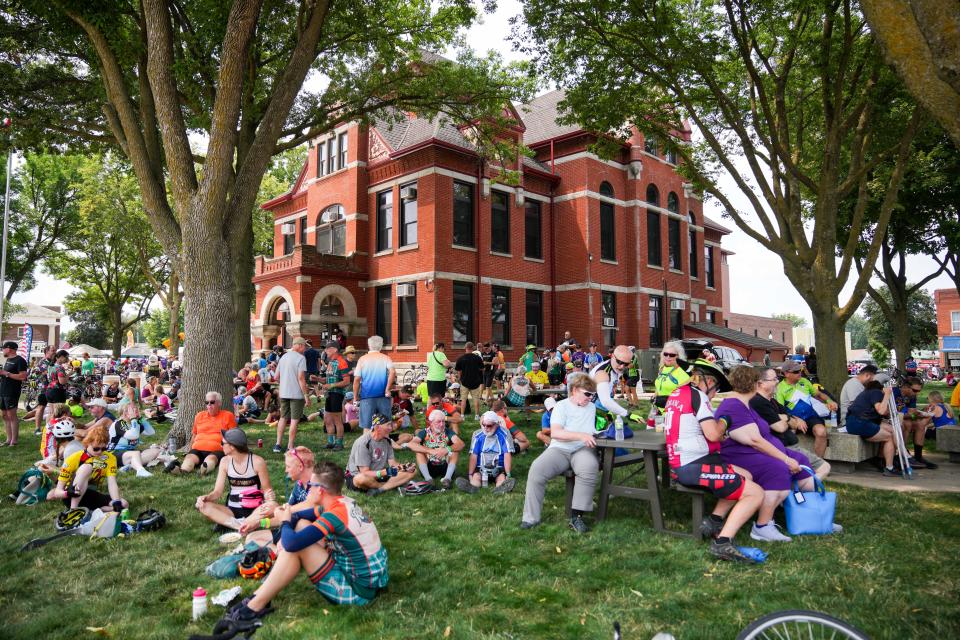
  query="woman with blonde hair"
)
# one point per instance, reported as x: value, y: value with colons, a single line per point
x: 90, y: 466
x: 671, y: 373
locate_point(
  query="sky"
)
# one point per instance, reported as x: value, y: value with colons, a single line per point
x: 758, y: 285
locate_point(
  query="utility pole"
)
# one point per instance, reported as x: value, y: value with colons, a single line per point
x: 6, y: 220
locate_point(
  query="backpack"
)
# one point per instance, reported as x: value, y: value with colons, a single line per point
x: 33, y: 487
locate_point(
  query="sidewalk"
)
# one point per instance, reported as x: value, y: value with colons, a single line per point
x: 945, y: 478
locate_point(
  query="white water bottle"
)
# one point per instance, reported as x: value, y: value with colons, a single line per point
x: 199, y: 603
x: 618, y: 429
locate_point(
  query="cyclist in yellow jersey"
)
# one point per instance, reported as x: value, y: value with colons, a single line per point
x: 671, y: 374
x: 91, y: 466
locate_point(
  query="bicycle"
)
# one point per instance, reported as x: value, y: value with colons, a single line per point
x: 797, y: 624
x: 415, y: 375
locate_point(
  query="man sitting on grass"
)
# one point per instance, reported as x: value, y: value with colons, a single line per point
x: 438, y: 449
x: 490, y: 457
x: 333, y: 541
x: 450, y: 410
x: 369, y: 468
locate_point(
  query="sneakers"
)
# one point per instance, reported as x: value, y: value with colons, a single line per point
x: 505, y: 487
x: 338, y: 447
x: 329, y: 445
x: 464, y: 485
x: 445, y: 483
x: 727, y: 551
x: 476, y: 417
x: 528, y: 525
x: 578, y: 525
x: 769, y: 532
x: 917, y: 464
x: 277, y: 449
x: 837, y: 528
x: 926, y: 464
x: 891, y: 472
x: 710, y: 529
x: 143, y: 473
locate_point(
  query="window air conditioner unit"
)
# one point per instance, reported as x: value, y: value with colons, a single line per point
x: 408, y: 193
x: 678, y: 304
x: 406, y: 290
x: 288, y: 228
x: 609, y: 322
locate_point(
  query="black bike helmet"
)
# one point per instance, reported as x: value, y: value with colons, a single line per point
x: 71, y: 518
x: 414, y: 488
x: 712, y: 370
x: 150, y: 520
x: 75, y: 394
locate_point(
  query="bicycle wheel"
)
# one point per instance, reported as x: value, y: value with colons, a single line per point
x: 407, y: 377
x: 797, y: 624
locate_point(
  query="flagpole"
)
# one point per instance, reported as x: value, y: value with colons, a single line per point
x: 6, y: 221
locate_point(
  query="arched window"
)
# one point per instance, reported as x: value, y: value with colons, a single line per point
x: 673, y: 202
x: 331, y: 306
x: 653, y: 195
x: 332, y: 231
x: 608, y: 233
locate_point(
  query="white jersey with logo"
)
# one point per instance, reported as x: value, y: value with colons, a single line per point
x: 686, y: 408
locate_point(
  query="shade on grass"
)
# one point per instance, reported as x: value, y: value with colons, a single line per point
x: 461, y: 563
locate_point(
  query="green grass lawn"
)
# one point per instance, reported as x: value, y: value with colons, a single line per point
x: 461, y: 568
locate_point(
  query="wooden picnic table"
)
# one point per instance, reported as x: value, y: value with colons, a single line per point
x: 533, y: 402
x: 647, y: 444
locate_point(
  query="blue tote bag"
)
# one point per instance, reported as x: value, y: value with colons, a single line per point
x: 810, y: 512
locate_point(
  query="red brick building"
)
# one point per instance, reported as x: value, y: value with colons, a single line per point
x: 947, y: 302
x: 403, y: 231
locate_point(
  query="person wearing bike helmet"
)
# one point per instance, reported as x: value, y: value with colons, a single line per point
x: 693, y: 450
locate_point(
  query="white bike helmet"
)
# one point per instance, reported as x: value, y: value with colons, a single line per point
x: 64, y: 428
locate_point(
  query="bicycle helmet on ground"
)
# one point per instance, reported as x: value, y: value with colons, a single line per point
x: 257, y: 563
x: 150, y: 520
x: 414, y: 488
x: 71, y: 518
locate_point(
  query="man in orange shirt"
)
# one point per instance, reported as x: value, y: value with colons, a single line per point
x: 205, y: 444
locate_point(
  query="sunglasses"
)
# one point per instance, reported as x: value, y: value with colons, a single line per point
x: 97, y: 449
x: 769, y: 379
x: 590, y: 394
x: 314, y: 485
x: 209, y: 402
x: 669, y: 355
x: 489, y: 424
x: 621, y: 361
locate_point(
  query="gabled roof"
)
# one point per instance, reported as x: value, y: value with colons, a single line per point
x: 716, y: 226
x: 540, y: 115
x: 414, y: 131
x: 734, y: 336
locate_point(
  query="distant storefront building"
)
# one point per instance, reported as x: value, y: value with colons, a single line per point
x: 947, y: 302
x: 45, y: 320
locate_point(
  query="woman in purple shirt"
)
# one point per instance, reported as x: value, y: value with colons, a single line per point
x: 751, y: 446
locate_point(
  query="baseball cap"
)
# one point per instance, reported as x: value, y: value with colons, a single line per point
x: 97, y: 402
x: 235, y: 436
x: 348, y: 395
x: 296, y: 341
x: 331, y: 344
x: 549, y: 404
x: 10, y: 344
x: 869, y: 368
x: 349, y: 349
x: 569, y: 366
x: 792, y: 366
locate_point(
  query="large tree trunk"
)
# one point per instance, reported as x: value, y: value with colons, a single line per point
x: 208, y: 277
x: 901, y: 337
x: 117, y: 331
x: 831, y: 350
x: 243, y: 298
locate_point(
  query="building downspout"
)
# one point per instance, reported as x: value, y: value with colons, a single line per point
x: 553, y: 270
x: 476, y: 210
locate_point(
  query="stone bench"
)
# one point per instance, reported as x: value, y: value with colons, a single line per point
x: 844, y: 450
x: 948, y: 440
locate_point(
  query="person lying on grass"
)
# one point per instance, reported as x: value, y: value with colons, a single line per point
x: 249, y: 482
x: 298, y: 464
x: 370, y: 467
x: 491, y: 456
x: 333, y: 541
x: 91, y: 466
x: 438, y: 449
